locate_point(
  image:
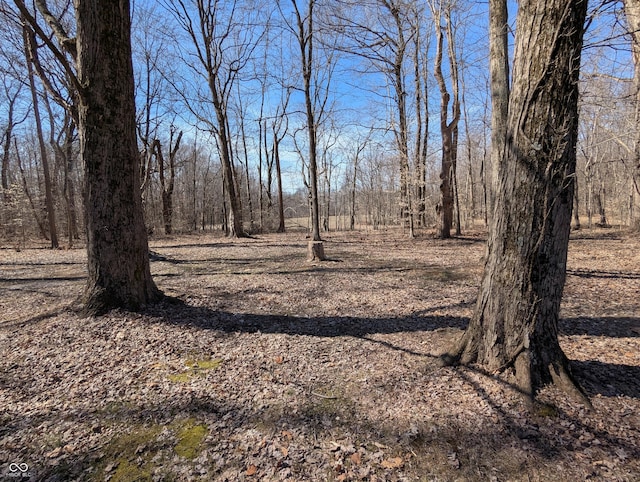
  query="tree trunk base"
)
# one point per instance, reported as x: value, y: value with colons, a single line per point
x: 315, y: 251
x: 526, y: 382
x: 96, y: 301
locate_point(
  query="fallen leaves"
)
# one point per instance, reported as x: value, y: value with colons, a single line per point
x: 393, y: 463
x: 323, y: 373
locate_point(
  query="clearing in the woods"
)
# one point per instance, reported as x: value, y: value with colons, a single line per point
x: 269, y: 367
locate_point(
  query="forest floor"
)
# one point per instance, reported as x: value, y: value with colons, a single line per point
x: 270, y: 367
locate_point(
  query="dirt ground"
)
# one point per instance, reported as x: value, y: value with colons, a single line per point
x: 269, y: 367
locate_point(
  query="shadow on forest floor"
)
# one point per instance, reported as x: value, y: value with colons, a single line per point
x: 177, y: 312
x: 606, y: 379
x: 608, y: 326
x: 602, y: 274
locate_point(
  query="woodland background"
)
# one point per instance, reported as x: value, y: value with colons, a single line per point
x: 380, y: 155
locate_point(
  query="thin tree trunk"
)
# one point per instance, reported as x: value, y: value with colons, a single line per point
x: 402, y: 135
x: 245, y: 162
x: 6, y: 144
x: 25, y: 186
x: 305, y: 37
x: 29, y: 43
x: 419, y: 160
x: 276, y: 154
x: 446, y: 207
x: 262, y: 135
x: 69, y: 192
x: 576, y: 205
x: 500, y: 92
x: 167, y: 186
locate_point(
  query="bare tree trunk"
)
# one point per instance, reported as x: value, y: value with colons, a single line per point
x: 29, y: 44
x: 41, y: 227
x: 402, y: 131
x: 446, y: 207
x: 600, y: 203
x: 576, y: 206
x: 118, y: 254
x: 276, y: 154
x: 66, y: 156
x: 499, y: 71
x: 419, y: 164
x: 167, y: 186
x: 6, y: 142
x: 470, y: 177
x: 245, y: 162
x: 305, y: 36
x: 515, y: 324
x: 632, y: 12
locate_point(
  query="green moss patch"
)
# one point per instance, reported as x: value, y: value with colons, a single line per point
x: 190, y: 437
x: 128, y: 457
x: 135, y: 456
x: 195, y: 368
x: 204, y: 365
x: 180, y: 377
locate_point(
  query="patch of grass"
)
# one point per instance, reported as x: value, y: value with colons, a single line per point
x: 204, y: 365
x: 183, y: 377
x: 190, y: 438
x: 127, y: 472
x: 133, y: 456
x: 195, y: 368
x: 128, y: 457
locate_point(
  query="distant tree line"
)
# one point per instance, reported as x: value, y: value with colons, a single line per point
x: 244, y: 109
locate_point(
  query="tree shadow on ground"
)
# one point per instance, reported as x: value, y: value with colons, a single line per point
x: 582, y: 273
x: 608, y: 379
x: 326, y: 422
x: 609, y: 326
x: 598, y: 234
x: 178, y: 312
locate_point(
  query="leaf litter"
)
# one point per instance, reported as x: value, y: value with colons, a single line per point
x: 268, y: 367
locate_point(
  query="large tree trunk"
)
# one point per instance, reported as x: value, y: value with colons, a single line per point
x: 632, y: 12
x: 516, y: 318
x: 118, y: 258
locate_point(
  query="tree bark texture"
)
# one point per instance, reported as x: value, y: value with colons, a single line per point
x: 632, y: 12
x: 516, y: 318
x: 118, y: 258
x: 499, y: 72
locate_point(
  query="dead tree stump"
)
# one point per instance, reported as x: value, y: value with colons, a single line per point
x: 315, y: 251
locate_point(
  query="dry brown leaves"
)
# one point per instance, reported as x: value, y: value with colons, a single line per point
x: 273, y: 368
